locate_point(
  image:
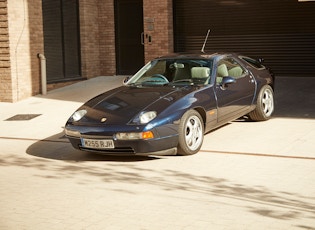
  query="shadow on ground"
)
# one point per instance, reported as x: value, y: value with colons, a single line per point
x: 260, y: 200
x: 58, y: 147
x: 295, y: 97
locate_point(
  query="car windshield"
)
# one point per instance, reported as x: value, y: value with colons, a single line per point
x: 173, y: 72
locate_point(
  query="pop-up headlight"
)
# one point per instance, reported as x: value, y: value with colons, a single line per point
x: 78, y: 115
x: 146, y: 117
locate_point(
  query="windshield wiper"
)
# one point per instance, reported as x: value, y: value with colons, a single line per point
x: 187, y: 80
x: 135, y: 84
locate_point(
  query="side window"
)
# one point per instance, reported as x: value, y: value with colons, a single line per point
x: 229, y: 67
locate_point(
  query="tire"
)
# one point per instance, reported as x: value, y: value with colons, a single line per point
x: 191, y: 133
x: 265, y: 105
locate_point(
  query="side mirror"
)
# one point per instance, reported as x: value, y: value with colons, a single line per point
x: 261, y: 60
x: 226, y: 81
x: 126, y: 79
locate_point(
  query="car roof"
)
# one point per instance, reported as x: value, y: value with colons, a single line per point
x: 194, y: 55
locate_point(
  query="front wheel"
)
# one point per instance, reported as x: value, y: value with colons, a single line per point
x: 191, y: 133
x: 264, y: 106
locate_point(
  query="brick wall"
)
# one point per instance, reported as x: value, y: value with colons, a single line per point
x: 107, y: 37
x: 158, y: 23
x: 97, y: 25
x: 5, y: 70
x: 21, y: 39
x: 22, y: 78
x: 36, y: 34
x: 89, y: 35
x: 97, y: 38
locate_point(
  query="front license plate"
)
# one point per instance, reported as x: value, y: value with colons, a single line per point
x: 97, y: 144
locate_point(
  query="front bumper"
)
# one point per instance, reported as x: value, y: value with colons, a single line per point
x: 164, y: 143
x: 165, y: 146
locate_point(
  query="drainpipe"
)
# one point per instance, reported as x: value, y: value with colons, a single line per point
x: 43, y: 72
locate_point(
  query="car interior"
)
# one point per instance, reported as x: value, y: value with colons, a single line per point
x: 228, y: 68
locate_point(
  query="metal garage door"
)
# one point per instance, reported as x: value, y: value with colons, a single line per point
x: 61, y: 40
x: 280, y: 31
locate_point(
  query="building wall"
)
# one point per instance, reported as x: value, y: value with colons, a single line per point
x: 89, y: 35
x: 107, y: 38
x: 5, y: 70
x: 158, y: 23
x: 21, y: 39
x: 26, y: 41
x: 97, y: 37
x: 97, y: 31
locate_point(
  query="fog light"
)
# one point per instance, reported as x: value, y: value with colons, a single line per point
x: 72, y: 133
x: 128, y: 136
x: 134, y: 136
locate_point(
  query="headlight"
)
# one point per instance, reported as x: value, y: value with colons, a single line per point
x: 146, y: 117
x: 78, y: 115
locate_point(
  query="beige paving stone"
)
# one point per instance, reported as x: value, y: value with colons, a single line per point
x: 248, y: 175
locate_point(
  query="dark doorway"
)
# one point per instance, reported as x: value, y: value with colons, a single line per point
x: 61, y: 39
x: 129, y: 29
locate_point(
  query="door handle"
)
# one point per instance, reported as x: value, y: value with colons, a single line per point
x: 142, y: 38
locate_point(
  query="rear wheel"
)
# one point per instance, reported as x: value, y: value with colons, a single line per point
x: 191, y: 130
x: 264, y: 106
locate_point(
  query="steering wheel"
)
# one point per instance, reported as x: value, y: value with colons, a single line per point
x: 161, y: 77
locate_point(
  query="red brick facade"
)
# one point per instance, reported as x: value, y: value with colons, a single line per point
x: 107, y: 35
x: 158, y: 23
x: 21, y: 39
x: 5, y: 70
x: 97, y: 38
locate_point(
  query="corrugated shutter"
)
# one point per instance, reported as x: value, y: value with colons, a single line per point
x: 281, y: 31
x: 71, y: 38
x: 61, y: 39
x: 53, y: 39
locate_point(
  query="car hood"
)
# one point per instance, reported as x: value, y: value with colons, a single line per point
x: 121, y: 105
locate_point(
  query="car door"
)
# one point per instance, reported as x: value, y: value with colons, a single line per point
x: 235, y: 97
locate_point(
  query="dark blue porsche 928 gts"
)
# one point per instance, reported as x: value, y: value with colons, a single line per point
x: 169, y: 104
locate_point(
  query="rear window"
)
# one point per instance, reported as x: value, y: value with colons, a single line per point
x: 254, y: 63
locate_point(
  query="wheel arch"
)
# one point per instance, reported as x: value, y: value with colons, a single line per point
x: 202, y: 113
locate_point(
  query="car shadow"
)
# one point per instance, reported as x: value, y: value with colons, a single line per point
x: 57, y: 147
x: 294, y: 97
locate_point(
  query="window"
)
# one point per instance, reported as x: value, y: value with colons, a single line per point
x: 254, y: 63
x: 175, y: 71
x: 229, y: 67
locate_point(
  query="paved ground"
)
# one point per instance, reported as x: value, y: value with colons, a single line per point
x: 248, y: 175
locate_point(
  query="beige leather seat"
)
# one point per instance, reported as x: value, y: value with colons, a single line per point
x: 222, y: 71
x: 236, y: 72
x: 200, y: 73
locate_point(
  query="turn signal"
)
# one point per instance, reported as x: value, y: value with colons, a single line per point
x: 147, y: 135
